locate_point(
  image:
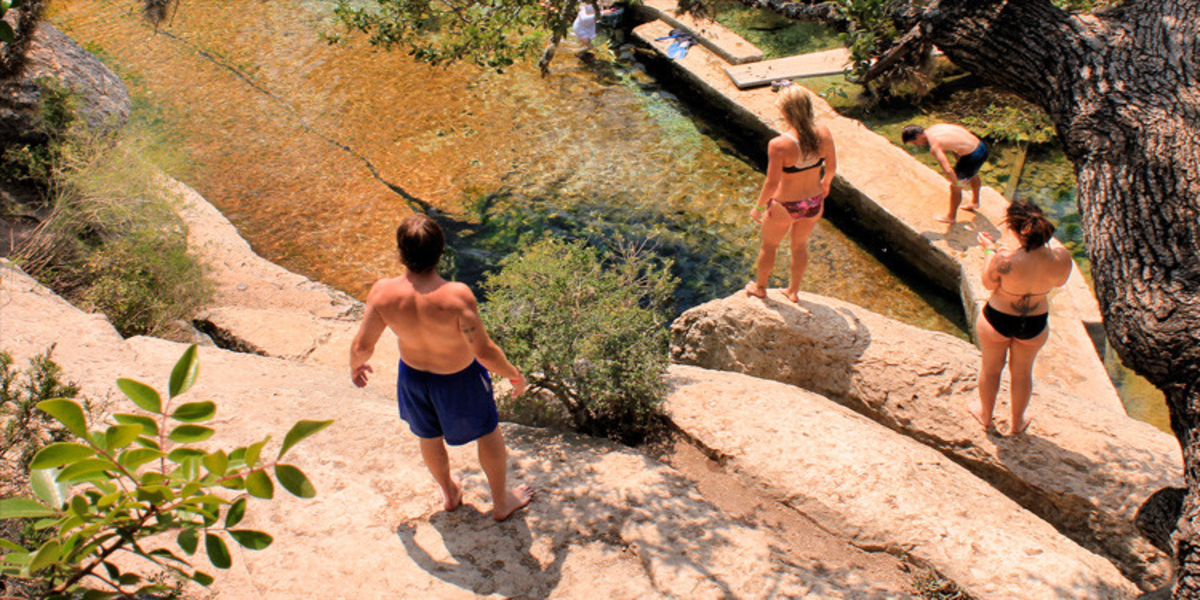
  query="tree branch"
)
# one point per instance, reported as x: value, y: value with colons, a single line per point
x: 912, y: 41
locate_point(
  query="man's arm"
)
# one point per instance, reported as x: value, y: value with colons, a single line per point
x: 485, y: 350
x: 943, y: 162
x: 363, y: 345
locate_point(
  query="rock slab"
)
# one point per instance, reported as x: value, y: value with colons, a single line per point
x: 1083, y: 468
x: 883, y: 490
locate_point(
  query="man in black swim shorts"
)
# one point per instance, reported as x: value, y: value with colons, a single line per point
x: 971, y: 153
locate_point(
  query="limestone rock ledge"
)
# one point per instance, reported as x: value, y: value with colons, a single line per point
x: 1081, y: 467
x: 882, y: 490
x: 607, y: 522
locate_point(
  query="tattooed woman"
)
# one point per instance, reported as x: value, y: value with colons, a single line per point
x: 1013, y: 325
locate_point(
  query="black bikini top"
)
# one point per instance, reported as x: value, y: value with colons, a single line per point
x: 794, y: 169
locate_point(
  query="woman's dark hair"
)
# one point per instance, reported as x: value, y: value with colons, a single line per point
x: 420, y: 242
x: 1028, y: 221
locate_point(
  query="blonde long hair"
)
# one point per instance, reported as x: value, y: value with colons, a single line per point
x: 797, y: 109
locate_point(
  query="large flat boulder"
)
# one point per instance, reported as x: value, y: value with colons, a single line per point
x: 1083, y: 468
x: 104, y: 101
x: 882, y: 490
x: 607, y: 522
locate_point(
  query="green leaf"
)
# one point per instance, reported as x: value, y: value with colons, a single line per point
x: 181, y: 454
x: 187, y: 434
x: 253, y: 452
x: 251, y: 539
x: 149, y: 426
x: 7, y: 34
x: 236, y: 511
x: 188, y: 540
x: 299, y: 431
x: 164, y: 553
x: 144, y: 396
x: 202, y: 578
x: 183, y: 376
x: 234, y: 483
x: 119, y: 436
x: 85, y: 468
x: 79, y: 505
x: 96, y: 595
x: 132, y: 579
x: 47, y: 555
x: 46, y: 488
x: 132, y: 459
x: 57, y: 455
x: 22, y: 508
x: 68, y: 413
x: 259, y: 485
x: 195, y: 412
x: 218, y: 553
x: 216, y: 463
x: 294, y: 481
x: 10, y: 545
x: 146, y: 442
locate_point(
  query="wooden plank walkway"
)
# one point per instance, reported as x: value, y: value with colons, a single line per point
x: 815, y: 64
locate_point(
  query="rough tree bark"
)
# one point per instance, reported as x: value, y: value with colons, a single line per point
x: 1121, y: 88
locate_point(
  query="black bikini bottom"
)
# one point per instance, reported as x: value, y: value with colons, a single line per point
x: 1013, y: 326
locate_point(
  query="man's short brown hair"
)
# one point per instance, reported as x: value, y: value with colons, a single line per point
x: 420, y: 242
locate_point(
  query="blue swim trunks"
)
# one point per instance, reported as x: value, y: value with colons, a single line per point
x: 458, y: 407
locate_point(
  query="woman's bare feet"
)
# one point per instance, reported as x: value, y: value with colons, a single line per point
x: 971, y: 207
x: 790, y: 295
x: 755, y: 290
x: 1019, y: 427
x: 975, y: 407
x: 946, y: 220
x: 453, y: 499
x: 515, y: 500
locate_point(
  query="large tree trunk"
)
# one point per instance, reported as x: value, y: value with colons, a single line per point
x: 1121, y: 87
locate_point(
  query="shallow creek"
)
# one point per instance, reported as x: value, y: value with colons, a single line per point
x: 296, y: 140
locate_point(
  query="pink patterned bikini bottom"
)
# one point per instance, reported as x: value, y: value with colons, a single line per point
x: 802, y: 209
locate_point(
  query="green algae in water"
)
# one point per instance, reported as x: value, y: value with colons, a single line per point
x: 776, y: 36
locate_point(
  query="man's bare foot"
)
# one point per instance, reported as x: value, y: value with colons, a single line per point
x: 1018, y: 427
x: 753, y: 289
x: 975, y: 407
x: 947, y: 220
x: 454, y: 499
x: 971, y: 207
x: 517, y: 498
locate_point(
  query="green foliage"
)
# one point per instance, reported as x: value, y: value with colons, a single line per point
x: 871, y: 29
x: 591, y: 333
x: 1015, y: 121
x: 775, y: 35
x: 112, y: 241
x: 25, y: 429
x: 127, y: 277
x: 116, y: 484
x: 36, y: 162
x: 492, y: 33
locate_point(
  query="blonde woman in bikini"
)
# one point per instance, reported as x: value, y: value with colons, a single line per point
x: 800, y: 168
x: 1014, y: 322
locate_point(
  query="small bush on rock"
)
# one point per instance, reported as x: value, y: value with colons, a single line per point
x: 589, y: 331
x: 114, y: 486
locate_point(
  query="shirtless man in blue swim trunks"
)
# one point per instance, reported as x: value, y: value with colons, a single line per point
x: 444, y: 390
x: 971, y: 153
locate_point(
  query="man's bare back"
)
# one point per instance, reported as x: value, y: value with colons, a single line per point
x: 444, y: 391
x: 948, y: 137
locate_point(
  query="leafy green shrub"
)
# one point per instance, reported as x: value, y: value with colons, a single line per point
x: 114, y: 486
x: 128, y: 276
x: 36, y: 162
x: 26, y: 430
x: 113, y: 242
x: 591, y: 333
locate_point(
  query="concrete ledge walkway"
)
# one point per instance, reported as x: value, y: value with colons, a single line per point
x: 884, y: 491
x: 814, y: 64
x: 731, y: 47
x: 892, y: 194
